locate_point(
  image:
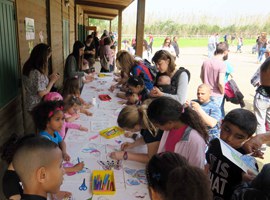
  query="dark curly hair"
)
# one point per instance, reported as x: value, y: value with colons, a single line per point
x: 41, y: 115
x: 165, y: 109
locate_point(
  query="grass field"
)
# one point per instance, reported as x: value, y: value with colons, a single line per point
x: 194, y: 42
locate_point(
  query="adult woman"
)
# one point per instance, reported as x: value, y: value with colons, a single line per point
x: 167, y: 45
x: 129, y: 66
x: 35, y: 79
x: 74, y: 63
x: 179, y: 78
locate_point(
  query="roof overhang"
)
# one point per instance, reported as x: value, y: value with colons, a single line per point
x: 103, y: 9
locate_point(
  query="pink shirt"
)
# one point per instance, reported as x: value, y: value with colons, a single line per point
x: 68, y: 125
x: 211, y: 69
x: 192, y: 146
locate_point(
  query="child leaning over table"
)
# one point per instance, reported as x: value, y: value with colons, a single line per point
x: 71, y: 87
x: 134, y: 118
x: 236, y: 128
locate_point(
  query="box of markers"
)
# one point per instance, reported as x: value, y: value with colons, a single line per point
x: 111, y: 132
x: 103, y: 182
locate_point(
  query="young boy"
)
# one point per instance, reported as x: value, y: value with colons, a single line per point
x: 38, y: 163
x: 237, y: 127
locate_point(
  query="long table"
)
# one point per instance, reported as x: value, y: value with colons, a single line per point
x: 93, y: 149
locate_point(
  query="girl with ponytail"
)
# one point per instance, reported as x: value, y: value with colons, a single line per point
x: 184, y: 131
x: 134, y: 119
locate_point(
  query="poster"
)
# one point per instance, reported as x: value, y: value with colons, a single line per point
x: 29, y: 28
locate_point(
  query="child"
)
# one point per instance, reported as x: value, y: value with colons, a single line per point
x: 131, y: 99
x: 184, y: 131
x: 164, y: 84
x: 136, y: 85
x: 38, y: 163
x: 71, y: 87
x: 133, y: 118
x: 49, y: 117
x: 12, y: 188
x: 70, y: 108
x: 169, y: 176
x: 236, y: 128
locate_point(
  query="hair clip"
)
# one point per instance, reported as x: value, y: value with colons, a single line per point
x: 156, y: 176
x: 52, y: 112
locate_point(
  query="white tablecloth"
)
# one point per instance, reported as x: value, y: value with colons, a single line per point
x: 90, y: 147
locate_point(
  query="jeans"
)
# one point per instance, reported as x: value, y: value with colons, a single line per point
x: 262, y: 113
x: 261, y: 53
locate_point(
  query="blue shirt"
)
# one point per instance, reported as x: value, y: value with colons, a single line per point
x: 211, y: 109
x: 56, y: 139
x: 229, y: 70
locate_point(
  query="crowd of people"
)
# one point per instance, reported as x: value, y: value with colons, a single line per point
x: 183, y: 158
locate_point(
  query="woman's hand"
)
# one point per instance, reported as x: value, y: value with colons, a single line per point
x: 54, y: 77
x: 155, y: 92
x: 118, y: 155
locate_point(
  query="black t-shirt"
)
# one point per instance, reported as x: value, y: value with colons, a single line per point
x: 11, y: 184
x: 32, y: 197
x: 149, y: 138
x: 224, y: 174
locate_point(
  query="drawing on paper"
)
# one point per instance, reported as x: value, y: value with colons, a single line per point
x: 76, y: 135
x: 138, y: 175
x: 97, y: 126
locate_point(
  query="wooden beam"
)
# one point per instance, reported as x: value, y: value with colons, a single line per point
x: 119, y: 29
x: 102, y: 5
x: 99, y: 17
x: 99, y: 13
x: 140, y: 27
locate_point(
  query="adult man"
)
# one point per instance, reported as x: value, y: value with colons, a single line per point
x: 175, y: 46
x: 213, y: 72
x: 262, y: 98
x: 207, y: 109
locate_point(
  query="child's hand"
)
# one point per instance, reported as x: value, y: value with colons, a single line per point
x: 249, y: 176
x: 78, y: 167
x: 86, y: 112
x: 112, y: 88
x: 82, y: 128
x: 66, y: 157
x: 117, y: 155
x: 126, y: 145
x: 87, y: 106
x: 54, y: 77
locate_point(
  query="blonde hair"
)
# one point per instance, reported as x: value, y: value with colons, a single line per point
x: 125, y: 60
x: 130, y: 116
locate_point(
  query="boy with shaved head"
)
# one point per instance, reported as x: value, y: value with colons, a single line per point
x: 207, y: 109
x: 38, y: 163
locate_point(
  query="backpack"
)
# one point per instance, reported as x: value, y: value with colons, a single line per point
x: 152, y: 68
x: 175, y: 79
x: 233, y: 94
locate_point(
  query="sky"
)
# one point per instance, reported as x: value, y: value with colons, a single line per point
x: 223, y: 12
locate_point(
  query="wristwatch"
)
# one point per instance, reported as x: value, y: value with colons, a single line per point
x: 125, y: 156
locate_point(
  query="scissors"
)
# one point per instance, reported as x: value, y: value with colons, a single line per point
x: 83, y: 187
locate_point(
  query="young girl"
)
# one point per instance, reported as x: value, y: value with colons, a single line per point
x: 70, y: 108
x: 12, y: 188
x: 134, y: 119
x: 49, y: 118
x: 136, y: 85
x: 71, y: 87
x: 184, y: 131
x: 169, y: 175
